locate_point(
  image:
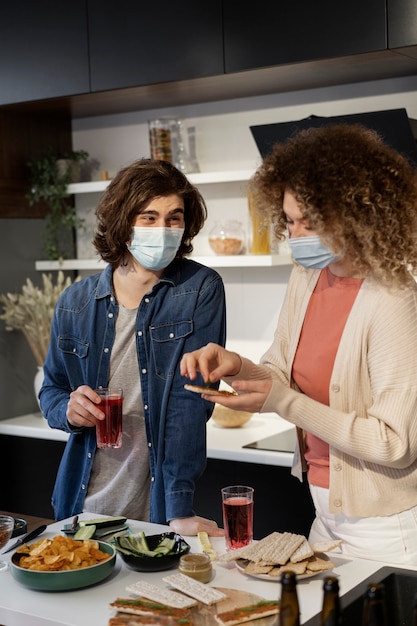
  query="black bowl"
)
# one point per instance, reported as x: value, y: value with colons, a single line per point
x: 157, y: 563
x: 20, y: 527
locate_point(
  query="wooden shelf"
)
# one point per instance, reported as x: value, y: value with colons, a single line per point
x: 239, y: 260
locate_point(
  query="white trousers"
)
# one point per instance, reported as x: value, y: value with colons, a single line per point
x: 391, y: 539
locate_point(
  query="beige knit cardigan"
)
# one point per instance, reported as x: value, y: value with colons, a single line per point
x: 371, y: 422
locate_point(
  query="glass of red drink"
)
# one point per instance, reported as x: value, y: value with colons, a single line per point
x: 237, y: 502
x: 109, y: 430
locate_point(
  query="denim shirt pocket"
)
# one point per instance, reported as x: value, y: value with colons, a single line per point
x: 167, y: 341
x: 71, y: 345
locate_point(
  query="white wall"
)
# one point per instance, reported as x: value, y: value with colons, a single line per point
x: 224, y: 142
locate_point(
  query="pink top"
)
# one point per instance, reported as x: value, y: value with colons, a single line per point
x: 327, y: 312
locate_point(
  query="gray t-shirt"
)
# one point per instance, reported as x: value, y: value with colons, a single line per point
x: 120, y: 478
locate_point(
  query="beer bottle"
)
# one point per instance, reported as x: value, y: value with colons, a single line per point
x: 374, y: 610
x: 331, y: 612
x: 289, y: 609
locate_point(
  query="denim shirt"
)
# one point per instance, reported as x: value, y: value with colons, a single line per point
x: 183, y: 311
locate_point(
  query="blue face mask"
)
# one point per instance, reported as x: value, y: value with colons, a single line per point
x: 310, y: 252
x: 155, y: 247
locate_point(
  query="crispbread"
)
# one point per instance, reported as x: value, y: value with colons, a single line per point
x: 275, y: 549
x: 256, y: 568
x: 326, y: 546
x: 297, y: 568
x: 316, y: 564
x: 158, y: 594
x: 195, y: 589
x: 279, y: 551
x: 304, y: 551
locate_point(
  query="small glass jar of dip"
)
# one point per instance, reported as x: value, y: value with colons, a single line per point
x: 197, y: 566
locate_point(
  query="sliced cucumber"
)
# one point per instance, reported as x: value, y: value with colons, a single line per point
x: 85, y: 532
x: 137, y: 545
x: 101, y: 522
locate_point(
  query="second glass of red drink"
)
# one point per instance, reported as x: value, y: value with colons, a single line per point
x: 237, y: 502
x: 109, y: 430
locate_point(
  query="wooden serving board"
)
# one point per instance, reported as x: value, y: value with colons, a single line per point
x: 203, y: 614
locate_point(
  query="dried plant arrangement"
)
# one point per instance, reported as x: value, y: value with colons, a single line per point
x: 31, y: 311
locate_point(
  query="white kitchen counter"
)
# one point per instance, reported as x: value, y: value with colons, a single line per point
x: 87, y: 607
x: 222, y: 443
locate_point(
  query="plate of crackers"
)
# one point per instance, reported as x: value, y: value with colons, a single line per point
x: 268, y: 558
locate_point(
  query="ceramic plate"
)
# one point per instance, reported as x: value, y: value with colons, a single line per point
x: 242, y: 563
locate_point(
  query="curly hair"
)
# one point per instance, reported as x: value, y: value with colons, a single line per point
x: 357, y: 193
x: 128, y: 195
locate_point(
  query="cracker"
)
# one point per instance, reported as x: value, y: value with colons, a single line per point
x: 297, y: 568
x: 158, y: 594
x: 304, y: 551
x: 316, y: 564
x: 195, y: 589
x: 279, y: 551
x: 256, y: 568
x: 326, y: 546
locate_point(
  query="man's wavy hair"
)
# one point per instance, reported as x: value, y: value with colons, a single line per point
x: 357, y: 193
x: 129, y: 193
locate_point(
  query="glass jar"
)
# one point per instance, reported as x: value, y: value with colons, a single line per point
x: 197, y: 566
x: 227, y: 237
x: 160, y: 138
x: 261, y: 229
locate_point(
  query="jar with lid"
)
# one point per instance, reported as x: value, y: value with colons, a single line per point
x: 197, y: 566
x: 227, y: 237
x: 161, y: 132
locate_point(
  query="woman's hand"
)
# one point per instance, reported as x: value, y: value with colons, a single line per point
x: 212, y: 361
x: 193, y: 525
x: 82, y: 407
x: 251, y: 397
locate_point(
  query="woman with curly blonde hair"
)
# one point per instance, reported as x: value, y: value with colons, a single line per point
x: 343, y: 363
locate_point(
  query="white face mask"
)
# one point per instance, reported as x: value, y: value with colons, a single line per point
x: 154, y: 247
x: 310, y: 252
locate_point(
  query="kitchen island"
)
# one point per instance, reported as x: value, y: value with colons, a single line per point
x: 30, y: 439
x: 86, y: 607
x: 222, y: 443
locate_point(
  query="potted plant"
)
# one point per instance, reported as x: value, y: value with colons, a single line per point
x: 49, y: 181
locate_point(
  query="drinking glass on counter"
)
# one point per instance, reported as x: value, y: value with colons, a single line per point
x: 109, y: 430
x: 237, y: 503
x: 6, y: 530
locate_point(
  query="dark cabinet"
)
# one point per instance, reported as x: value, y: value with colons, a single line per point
x: 43, y: 50
x: 402, y: 23
x: 281, y: 502
x: 27, y: 135
x: 277, y: 33
x: 142, y: 44
x: 28, y: 487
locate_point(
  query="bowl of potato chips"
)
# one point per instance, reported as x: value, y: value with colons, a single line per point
x: 62, y: 563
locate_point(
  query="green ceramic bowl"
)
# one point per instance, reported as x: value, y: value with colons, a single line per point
x: 67, y: 579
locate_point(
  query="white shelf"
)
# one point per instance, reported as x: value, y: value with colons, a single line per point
x: 240, y: 260
x: 203, y: 178
x: 244, y: 260
x: 71, y: 264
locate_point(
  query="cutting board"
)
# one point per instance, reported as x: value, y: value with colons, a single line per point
x: 203, y: 614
